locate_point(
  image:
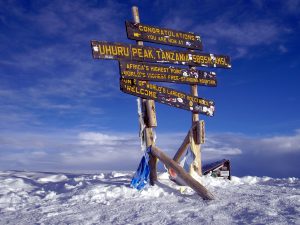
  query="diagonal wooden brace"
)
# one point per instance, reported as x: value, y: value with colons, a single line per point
x: 187, y: 178
x: 184, y: 145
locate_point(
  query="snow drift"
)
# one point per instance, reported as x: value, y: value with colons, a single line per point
x: 106, y: 198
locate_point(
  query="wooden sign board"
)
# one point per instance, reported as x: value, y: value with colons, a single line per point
x: 167, y: 96
x: 160, y: 73
x: 110, y: 50
x: 142, y: 32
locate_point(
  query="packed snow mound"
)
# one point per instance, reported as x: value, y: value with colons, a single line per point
x: 107, y: 198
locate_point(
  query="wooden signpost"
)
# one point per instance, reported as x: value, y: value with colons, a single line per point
x: 138, y: 31
x: 167, y: 96
x: 171, y: 74
x: 141, y: 64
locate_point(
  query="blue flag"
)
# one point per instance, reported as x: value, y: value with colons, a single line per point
x: 142, y: 175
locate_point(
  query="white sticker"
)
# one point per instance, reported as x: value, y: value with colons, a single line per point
x: 180, y: 100
x: 96, y: 49
x: 224, y: 173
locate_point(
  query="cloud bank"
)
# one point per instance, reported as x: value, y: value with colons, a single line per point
x: 90, y: 151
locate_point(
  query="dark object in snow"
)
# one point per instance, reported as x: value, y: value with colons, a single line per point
x: 218, y: 169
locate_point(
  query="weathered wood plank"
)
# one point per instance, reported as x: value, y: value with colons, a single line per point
x: 188, y: 179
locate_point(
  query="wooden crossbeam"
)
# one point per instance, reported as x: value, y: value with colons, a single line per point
x: 187, y: 178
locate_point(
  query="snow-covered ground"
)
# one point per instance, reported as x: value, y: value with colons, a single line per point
x: 106, y: 198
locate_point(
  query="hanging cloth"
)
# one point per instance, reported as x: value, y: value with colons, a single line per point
x: 142, y: 175
x: 142, y: 125
x: 188, y: 160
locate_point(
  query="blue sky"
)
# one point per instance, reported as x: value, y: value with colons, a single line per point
x: 62, y: 110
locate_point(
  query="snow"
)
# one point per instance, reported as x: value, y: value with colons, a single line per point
x: 52, y: 178
x: 106, y: 198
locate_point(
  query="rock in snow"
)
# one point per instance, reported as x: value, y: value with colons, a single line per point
x: 106, y: 198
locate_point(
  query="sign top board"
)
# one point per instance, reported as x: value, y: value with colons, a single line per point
x: 119, y: 51
x: 142, y: 32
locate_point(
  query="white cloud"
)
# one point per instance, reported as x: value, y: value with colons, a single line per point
x: 277, y: 144
x: 93, y: 138
x: 77, y: 150
x: 216, y: 153
x: 215, y: 149
x: 281, y: 144
x: 69, y: 150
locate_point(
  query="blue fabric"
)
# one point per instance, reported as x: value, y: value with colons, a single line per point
x: 189, y: 159
x: 142, y: 175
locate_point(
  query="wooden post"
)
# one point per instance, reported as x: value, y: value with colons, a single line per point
x: 195, y: 147
x: 187, y: 178
x: 151, y: 113
x: 148, y: 110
